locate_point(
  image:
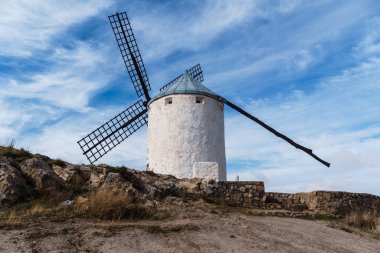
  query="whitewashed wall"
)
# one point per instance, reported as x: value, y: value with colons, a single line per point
x: 185, y: 132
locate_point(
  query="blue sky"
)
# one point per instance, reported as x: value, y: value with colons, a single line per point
x: 310, y: 69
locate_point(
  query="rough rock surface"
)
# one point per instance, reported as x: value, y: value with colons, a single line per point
x: 41, y: 175
x: 22, y: 173
x: 13, y: 187
x: 324, y: 202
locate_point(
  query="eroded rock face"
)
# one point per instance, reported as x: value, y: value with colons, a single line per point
x: 324, y: 202
x: 20, y: 177
x: 13, y: 187
x: 41, y: 175
x: 63, y: 173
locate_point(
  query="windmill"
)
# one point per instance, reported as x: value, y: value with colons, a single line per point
x: 186, y: 119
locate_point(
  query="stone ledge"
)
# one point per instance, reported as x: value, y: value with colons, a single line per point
x: 324, y: 202
x: 247, y: 193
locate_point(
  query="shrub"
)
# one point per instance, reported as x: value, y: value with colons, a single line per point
x: 10, y: 143
x: 58, y: 162
x: 113, y: 204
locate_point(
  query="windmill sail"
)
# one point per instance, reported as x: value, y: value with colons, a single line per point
x: 195, y: 72
x: 130, y: 53
x: 272, y: 130
x: 110, y: 134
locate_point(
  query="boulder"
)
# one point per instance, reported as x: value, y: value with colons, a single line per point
x: 64, y: 173
x: 95, y: 180
x: 113, y: 178
x: 13, y: 187
x: 41, y: 175
x: 74, y: 174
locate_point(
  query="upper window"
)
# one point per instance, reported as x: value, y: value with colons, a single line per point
x: 199, y: 100
x: 168, y: 101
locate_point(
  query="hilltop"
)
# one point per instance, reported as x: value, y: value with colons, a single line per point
x: 52, y: 205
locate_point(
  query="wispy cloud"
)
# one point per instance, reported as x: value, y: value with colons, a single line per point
x: 60, y: 84
x: 29, y: 26
x: 337, y: 121
x: 163, y: 34
x: 49, y: 73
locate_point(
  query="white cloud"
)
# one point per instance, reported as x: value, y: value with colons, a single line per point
x: 164, y: 34
x: 29, y: 25
x: 336, y: 121
x: 370, y: 45
x: 70, y: 80
x: 65, y: 76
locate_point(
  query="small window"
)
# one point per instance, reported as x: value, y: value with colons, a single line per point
x: 168, y: 101
x: 199, y: 100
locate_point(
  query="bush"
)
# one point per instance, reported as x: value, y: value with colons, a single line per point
x: 58, y: 162
x: 364, y: 220
x: 113, y: 204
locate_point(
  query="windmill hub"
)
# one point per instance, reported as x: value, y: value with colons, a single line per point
x: 186, y: 131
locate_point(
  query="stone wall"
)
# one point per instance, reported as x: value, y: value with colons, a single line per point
x: 324, y: 202
x: 247, y: 194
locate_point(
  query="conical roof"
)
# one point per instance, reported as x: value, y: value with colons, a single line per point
x: 185, y: 84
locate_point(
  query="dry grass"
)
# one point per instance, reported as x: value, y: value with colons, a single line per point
x: 11, y: 152
x: 17, y: 216
x: 112, y: 204
x: 364, y: 220
x: 13, y: 221
x: 105, y: 204
x: 8, y: 149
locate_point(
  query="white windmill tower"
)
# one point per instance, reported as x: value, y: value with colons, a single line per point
x: 186, y: 120
x: 186, y: 131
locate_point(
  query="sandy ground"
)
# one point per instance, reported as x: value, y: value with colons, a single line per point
x: 212, y: 232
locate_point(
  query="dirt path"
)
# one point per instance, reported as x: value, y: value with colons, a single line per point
x: 211, y: 233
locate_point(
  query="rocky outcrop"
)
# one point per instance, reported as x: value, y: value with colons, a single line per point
x: 22, y: 173
x: 13, y: 187
x: 39, y: 173
x: 324, y: 202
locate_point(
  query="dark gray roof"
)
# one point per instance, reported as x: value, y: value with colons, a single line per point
x: 185, y: 84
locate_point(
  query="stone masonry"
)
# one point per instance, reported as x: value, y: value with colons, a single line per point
x: 243, y: 193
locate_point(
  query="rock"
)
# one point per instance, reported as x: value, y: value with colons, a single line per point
x: 94, y: 180
x: 73, y: 174
x: 325, y: 202
x: 68, y: 202
x: 41, y: 175
x: 113, y: 178
x: 13, y: 187
x: 63, y: 173
x: 85, y: 173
